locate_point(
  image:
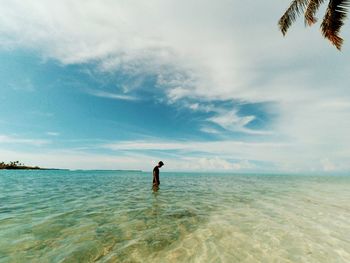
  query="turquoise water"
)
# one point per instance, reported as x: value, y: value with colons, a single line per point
x: 111, y: 216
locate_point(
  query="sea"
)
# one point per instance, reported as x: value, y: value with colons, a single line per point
x: 115, y: 216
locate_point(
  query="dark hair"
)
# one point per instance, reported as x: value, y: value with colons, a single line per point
x: 161, y: 163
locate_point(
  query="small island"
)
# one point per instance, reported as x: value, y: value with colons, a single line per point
x: 16, y: 165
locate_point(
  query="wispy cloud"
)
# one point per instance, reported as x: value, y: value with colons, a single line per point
x: 5, y: 139
x: 217, y: 163
x: 22, y: 85
x: 231, y: 121
x: 280, y: 156
x: 209, y: 130
x: 190, y: 156
x: 73, y: 159
x: 110, y: 95
x: 224, y: 149
x: 51, y: 133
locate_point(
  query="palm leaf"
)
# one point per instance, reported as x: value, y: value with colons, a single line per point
x: 294, y: 10
x: 334, y: 20
x: 311, y: 10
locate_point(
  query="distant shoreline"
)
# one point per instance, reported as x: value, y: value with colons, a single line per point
x: 31, y: 168
x: 16, y: 165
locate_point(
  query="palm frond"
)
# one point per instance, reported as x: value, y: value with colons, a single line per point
x: 294, y: 10
x: 334, y: 20
x: 311, y: 10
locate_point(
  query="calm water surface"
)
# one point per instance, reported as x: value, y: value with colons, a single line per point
x: 111, y: 216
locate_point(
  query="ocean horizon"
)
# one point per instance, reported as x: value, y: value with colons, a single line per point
x: 114, y: 216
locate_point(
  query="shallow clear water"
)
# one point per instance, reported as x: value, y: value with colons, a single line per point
x: 111, y: 216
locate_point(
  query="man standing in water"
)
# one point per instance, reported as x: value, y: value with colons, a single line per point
x: 156, y: 181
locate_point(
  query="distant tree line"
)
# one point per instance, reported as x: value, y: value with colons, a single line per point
x: 16, y: 165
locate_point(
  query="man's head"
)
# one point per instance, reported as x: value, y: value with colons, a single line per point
x: 160, y: 164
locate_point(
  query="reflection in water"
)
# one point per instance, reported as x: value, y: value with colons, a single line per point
x: 155, y: 188
x: 155, y: 203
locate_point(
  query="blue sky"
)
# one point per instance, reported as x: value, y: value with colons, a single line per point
x: 116, y: 85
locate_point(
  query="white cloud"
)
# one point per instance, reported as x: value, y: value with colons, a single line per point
x: 225, y: 148
x: 210, y: 130
x: 230, y: 121
x: 284, y: 156
x: 144, y: 145
x: 328, y: 166
x: 5, y: 139
x: 194, y: 106
x: 72, y: 159
x: 51, y: 133
x: 188, y: 156
x: 222, y: 50
x: 77, y: 159
x: 217, y: 164
x: 110, y: 95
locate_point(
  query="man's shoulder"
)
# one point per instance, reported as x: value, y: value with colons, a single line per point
x: 155, y: 168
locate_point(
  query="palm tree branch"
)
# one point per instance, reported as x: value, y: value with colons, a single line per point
x: 311, y: 10
x: 294, y: 10
x: 333, y: 21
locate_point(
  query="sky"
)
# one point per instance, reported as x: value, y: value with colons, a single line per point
x: 201, y: 85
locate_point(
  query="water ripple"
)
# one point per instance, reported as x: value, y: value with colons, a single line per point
x: 100, y: 216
